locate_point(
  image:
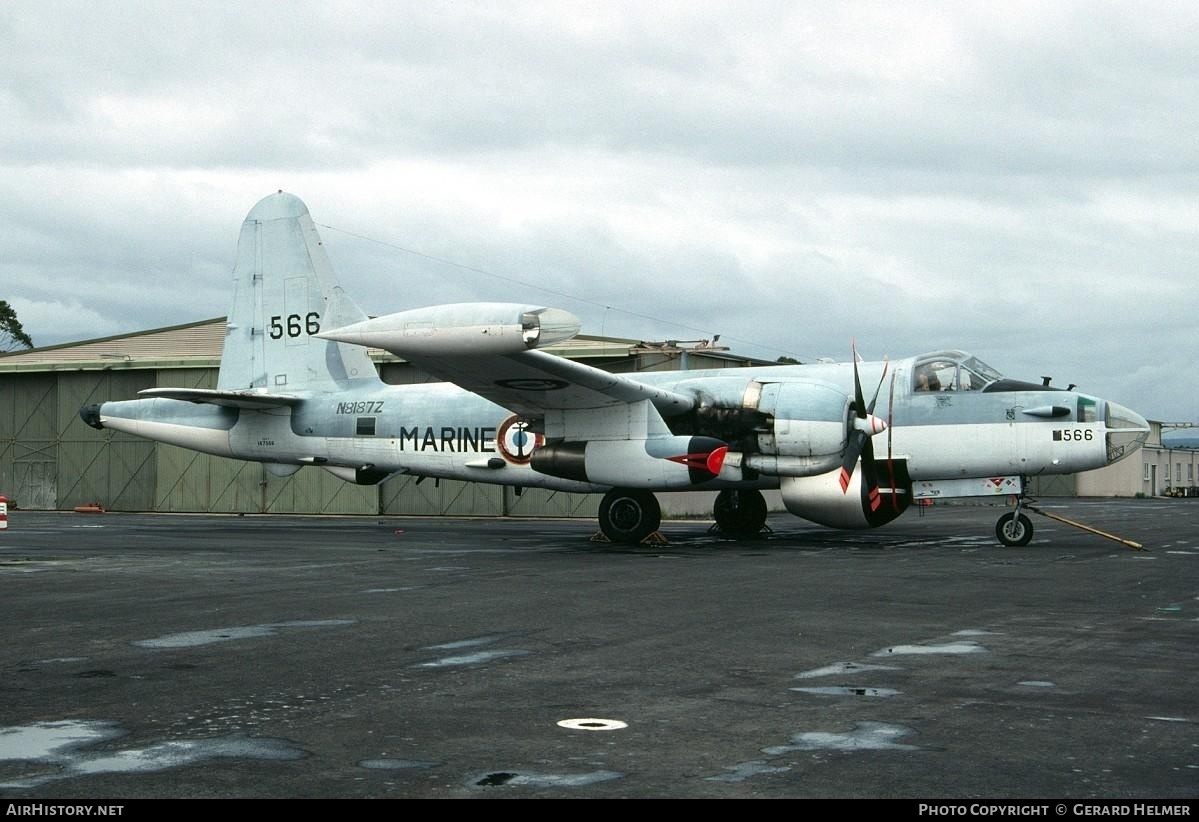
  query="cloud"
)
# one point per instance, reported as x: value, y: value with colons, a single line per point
x: 1018, y: 181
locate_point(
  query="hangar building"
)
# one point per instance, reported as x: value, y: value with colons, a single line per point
x: 50, y: 459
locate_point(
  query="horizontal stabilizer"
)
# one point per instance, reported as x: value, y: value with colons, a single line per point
x: 231, y: 399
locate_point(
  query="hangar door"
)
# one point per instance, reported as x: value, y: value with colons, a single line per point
x: 28, y: 440
x: 110, y: 467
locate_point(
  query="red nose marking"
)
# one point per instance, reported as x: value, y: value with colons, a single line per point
x: 710, y: 462
x: 716, y: 459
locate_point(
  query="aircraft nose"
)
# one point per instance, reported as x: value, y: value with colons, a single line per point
x: 1126, y: 431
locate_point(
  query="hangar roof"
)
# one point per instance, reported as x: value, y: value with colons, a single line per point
x: 199, y: 344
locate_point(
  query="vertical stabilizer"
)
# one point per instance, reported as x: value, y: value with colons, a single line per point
x: 284, y: 293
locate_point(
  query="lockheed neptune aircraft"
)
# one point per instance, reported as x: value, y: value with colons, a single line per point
x: 297, y: 388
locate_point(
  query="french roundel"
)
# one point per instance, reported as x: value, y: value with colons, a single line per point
x: 515, y: 441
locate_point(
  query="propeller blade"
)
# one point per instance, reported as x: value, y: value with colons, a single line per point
x: 862, y: 428
x: 890, y: 430
x: 874, y: 497
x: 859, y: 402
x: 853, y: 448
x: 860, y: 446
x: 877, y: 388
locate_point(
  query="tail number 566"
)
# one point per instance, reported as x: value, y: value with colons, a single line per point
x: 296, y: 325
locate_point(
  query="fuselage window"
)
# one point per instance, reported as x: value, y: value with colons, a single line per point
x: 366, y: 427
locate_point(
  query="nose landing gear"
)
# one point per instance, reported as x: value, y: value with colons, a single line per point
x: 1014, y: 529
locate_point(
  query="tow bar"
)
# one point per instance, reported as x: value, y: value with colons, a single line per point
x: 1136, y: 546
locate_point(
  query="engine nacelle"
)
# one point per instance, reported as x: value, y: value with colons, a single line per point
x: 787, y: 427
x: 461, y: 329
x: 810, y: 418
x: 661, y: 462
x: 820, y: 499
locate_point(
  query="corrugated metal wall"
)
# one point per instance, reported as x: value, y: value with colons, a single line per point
x: 49, y: 458
x: 28, y: 441
x: 403, y: 495
x: 539, y: 502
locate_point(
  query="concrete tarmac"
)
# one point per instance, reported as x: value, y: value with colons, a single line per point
x: 224, y: 656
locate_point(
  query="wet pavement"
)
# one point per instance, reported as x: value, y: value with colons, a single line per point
x: 207, y: 656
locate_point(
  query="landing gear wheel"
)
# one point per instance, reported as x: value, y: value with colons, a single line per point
x: 628, y: 515
x: 740, y: 513
x: 1014, y: 530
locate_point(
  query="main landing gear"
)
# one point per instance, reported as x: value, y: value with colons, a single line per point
x: 740, y: 513
x: 629, y: 515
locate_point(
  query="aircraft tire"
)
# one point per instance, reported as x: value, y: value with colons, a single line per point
x: 739, y: 513
x: 629, y: 515
x: 1012, y: 531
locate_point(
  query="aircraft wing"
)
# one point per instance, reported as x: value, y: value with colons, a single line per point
x: 488, y: 349
x: 233, y: 399
x: 532, y: 382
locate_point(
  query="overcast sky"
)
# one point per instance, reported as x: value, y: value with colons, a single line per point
x: 1016, y: 180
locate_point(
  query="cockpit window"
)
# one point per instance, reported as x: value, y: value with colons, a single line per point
x: 980, y: 369
x: 952, y: 371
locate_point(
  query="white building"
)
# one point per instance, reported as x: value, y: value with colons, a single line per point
x: 1153, y: 471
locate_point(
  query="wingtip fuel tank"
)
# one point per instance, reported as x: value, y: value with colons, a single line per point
x: 461, y: 329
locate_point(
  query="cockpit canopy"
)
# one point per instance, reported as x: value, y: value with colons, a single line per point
x: 952, y: 371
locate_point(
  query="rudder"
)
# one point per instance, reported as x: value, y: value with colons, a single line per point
x: 285, y: 291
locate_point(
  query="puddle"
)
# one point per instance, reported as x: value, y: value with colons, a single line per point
x: 842, y: 668
x: 973, y: 632
x: 59, y: 743
x: 190, y: 639
x: 1036, y: 683
x: 846, y: 690
x: 398, y: 764
x: 49, y: 741
x: 945, y: 648
x: 865, y: 736
x: 1169, y: 718
x: 544, y: 780
x: 60, y: 659
x: 744, y: 770
x: 464, y: 643
x: 470, y: 659
x: 388, y: 590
